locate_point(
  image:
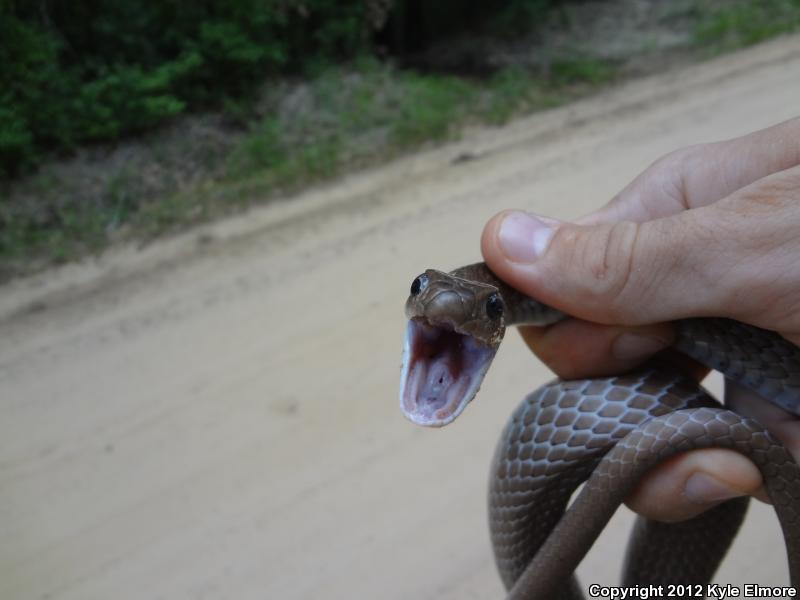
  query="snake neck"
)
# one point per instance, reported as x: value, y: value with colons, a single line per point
x: 519, y: 308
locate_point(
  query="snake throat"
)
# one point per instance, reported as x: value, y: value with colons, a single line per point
x: 441, y: 373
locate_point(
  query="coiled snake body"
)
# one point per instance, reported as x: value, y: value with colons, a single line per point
x: 610, y: 430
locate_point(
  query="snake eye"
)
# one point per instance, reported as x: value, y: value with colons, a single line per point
x: 419, y: 284
x: 494, y: 306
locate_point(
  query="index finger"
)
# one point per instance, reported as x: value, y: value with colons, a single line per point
x: 700, y: 175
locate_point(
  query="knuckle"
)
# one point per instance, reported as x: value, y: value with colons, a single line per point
x: 673, y: 160
x: 600, y: 259
x: 622, y: 254
x: 678, y: 161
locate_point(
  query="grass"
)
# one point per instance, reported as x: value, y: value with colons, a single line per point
x: 341, y: 119
x: 432, y: 107
x: 739, y: 23
x: 303, y: 132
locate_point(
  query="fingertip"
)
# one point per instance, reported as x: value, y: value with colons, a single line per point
x: 691, y: 483
x: 490, y: 247
x: 635, y: 345
x: 517, y: 237
x: 512, y: 242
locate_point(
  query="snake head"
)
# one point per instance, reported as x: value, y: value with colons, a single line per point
x: 454, y: 329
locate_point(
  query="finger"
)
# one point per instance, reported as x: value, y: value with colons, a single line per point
x: 693, y: 482
x: 623, y: 273
x: 574, y: 349
x: 702, y: 174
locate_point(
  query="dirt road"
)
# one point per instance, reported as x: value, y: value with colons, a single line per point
x: 215, y: 416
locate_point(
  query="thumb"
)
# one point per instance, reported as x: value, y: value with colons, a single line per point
x: 622, y: 273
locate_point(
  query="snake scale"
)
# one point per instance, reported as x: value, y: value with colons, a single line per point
x: 607, y: 432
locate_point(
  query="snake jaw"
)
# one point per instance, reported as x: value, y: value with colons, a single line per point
x: 441, y: 373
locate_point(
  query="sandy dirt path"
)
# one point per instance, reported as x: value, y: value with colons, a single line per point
x: 215, y: 416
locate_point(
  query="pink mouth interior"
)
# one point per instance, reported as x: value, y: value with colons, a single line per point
x: 442, y: 371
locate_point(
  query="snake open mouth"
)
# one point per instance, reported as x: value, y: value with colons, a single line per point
x: 442, y: 371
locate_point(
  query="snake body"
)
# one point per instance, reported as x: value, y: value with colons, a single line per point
x: 607, y: 432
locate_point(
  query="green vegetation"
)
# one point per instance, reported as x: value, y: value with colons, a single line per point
x: 264, y: 122
x: 347, y: 117
x: 95, y: 70
x: 738, y: 23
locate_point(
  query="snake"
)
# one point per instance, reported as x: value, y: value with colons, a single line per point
x: 605, y: 433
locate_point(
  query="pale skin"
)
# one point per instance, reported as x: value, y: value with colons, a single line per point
x: 709, y: 230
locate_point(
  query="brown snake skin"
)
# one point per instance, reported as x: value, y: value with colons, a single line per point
x: 608, y: 432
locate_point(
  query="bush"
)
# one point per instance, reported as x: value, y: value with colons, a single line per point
x: 93, y: 70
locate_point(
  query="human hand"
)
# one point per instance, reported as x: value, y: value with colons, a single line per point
x: 710, y: 230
